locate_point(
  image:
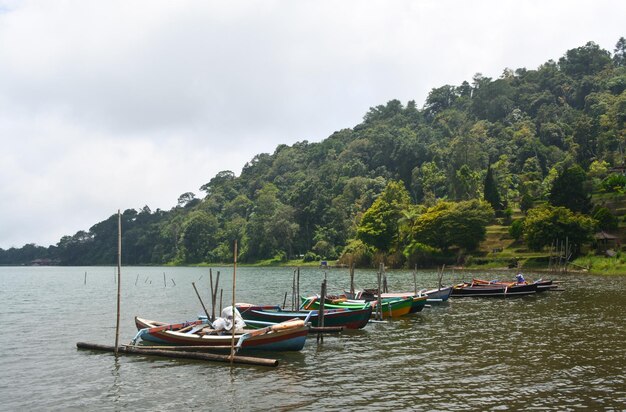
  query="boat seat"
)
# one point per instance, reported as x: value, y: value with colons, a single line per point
x: 195, y: 329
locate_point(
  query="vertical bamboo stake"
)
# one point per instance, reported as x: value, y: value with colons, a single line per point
x: 85, y: 278
x: 136, y: 279
x: 119, y: 275
x: 443, y: 267
x: 320, y: 322
x: 217, y: 282
x: 232, y: 341
x: 285, y: 301
x: 352, y: 278
x: 201, y: 302
x: 164, y: 281
x: 298, y: 288
x: 293, y: 291
x: 212, y: 295
x: 379, y: 304
x: 415, y: 280
x: 221, y: 294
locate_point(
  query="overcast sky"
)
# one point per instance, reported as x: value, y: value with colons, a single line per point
x: 108, y: 105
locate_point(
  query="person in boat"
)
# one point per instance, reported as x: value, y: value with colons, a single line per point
x: 520, y: 278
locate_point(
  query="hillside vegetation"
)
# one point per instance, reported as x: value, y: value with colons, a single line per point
x: 408, y: 185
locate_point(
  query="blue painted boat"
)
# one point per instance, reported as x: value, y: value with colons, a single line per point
x: 350, y: 319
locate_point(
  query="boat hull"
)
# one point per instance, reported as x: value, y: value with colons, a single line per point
x: 350, y: 319
x: 284, y: 340
x: 390, y: 308
x: 467, y: 290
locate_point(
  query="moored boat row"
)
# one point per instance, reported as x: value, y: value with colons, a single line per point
x: 270, y: 327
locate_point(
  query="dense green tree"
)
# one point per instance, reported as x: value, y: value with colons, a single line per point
x: 605, y: 219
x: 568, y: 190
x: 198, y: 237
x: 491, y: 193
x: 619, y: 53
x: 379, y: 225
x: 448, y: 224
x: 547, y: 224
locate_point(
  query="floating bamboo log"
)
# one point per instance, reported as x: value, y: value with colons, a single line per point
x: 170, y: 353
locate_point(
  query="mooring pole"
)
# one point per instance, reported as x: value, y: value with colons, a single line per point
x: 352, y: 279
x: 212, y: 295
x: 119, y: 276
x: 232, y: 341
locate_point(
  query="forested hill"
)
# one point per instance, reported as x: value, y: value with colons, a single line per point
x: 506, y: 139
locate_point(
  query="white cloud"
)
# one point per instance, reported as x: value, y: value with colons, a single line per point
x: 118, y: 104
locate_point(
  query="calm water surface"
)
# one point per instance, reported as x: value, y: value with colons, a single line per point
x: 556, y: 351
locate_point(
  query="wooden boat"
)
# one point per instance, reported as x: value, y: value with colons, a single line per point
x: 492, y: 290
x: 433, y: 295
x: 350, y: 319
x: 542, y: 285
x: 391, y: 308
x: 286, y: 336
x: 419, y: 302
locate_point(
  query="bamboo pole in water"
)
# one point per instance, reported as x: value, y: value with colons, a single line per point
x: 320, y: 322
x: 352, y: 277
x: 232, y: 341
x: 379, y: 305
x: 200, y: 299
x: 298, y: 289
x: 119, y: 275
x: 212, y: 295
x: 293, y: 290
x: 172, y: 353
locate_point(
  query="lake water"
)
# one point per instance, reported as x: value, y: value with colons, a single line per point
x: 555, y: 351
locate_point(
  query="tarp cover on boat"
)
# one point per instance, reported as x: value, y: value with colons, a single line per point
x: 225, y: 322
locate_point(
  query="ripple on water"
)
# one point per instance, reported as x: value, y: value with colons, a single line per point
x: 557, y: 351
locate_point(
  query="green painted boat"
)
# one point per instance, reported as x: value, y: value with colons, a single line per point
x: 391, y: 308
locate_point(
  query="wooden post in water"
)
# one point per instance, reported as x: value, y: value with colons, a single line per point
x: 415, y: 279
x: 293, y: 291
x: 201, y: 302
x: 320, y: 322
x: 221, y: 294
x: 443, y: 267
x: 385, y: 288
x: 285, y: 300
x: 136, y: 279
x: 212, y: 295
x: 352, y: 278
x: 379, y: 305
x: 217, y: 282
x: 164, y: 281
x: 232, y: 341
x: 85, y: 278
x: 119, y: 276
x: 298, y: 288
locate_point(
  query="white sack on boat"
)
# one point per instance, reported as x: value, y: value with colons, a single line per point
x: 225, y: 322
